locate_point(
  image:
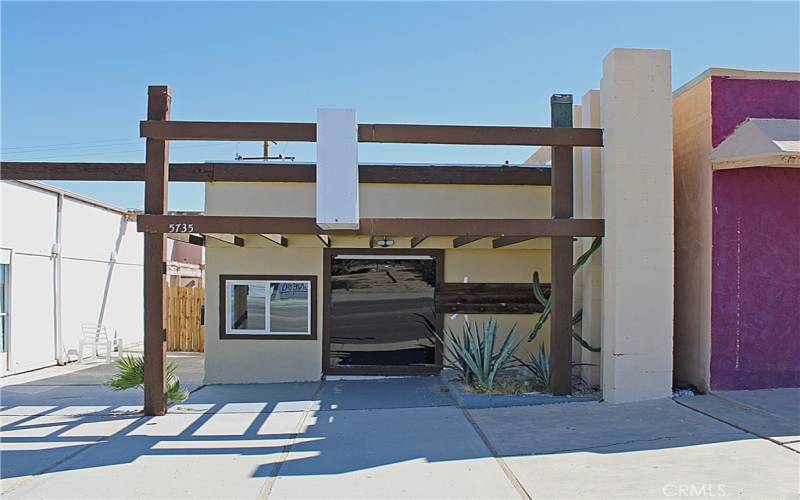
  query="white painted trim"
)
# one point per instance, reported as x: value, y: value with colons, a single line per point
x: 773, y: 160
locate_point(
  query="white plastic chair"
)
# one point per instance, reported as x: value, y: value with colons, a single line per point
x: 95, y: 335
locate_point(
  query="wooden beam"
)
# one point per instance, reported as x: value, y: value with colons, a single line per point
x: 464, y: 240
x: 453, y: 174
x: 325, y: 239
x: 229, y: 131
x: 288, y: 172
x: 155, y: 202
x: 278, y: 239
x: 71, y: 171
x: 416, y: 240
x: 505, y: 241
x: 192, y: 239
x: 230, y: 239
x: 381, y: 133
x: 487, y: 298
x: 480, y: 228
x: 478, y: 135
x: 561, y: 253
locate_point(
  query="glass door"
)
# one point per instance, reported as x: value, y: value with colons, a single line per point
x: 378, y: 306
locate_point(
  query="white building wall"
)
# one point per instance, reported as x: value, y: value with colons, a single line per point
x: 92, y: 289
x: 28, y: 228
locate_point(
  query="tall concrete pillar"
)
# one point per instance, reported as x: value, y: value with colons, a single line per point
x: 591, y: 298
x: 577, y: 250
x: 636, y: 114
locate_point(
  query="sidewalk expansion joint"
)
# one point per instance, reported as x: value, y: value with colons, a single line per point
x: 266, y: 488
x: 515, y: 482
x: 748, y: 431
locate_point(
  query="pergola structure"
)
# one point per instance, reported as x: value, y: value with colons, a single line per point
x: 156, y: 222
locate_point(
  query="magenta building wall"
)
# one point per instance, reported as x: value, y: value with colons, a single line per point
x: 755, y: 316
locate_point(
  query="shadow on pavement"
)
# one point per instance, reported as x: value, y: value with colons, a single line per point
x: 303, y: 433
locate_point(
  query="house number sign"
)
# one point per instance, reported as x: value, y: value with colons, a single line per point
x: 181, y: 228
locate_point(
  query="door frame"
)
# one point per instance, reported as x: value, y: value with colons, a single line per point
x: 328, y: 254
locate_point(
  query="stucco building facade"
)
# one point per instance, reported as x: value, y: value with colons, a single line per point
x: 737, y: 238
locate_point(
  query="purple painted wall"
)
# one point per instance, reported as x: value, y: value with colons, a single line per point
x: 733, y: 101
x: 755, y: 315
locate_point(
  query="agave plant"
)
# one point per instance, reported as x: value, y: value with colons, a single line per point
x: 131, y: 376
x: 547, y: 301
x: 473, y: 353
x: 539, y: 366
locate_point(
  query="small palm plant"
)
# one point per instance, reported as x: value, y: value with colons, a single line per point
x: 131, y: 376
x: 473, y: 353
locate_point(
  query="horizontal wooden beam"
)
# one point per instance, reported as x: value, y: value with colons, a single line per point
x: 278, y: 239
x: 285, y: 172
x: 71, y: 171
x: 377, y: 227
x: 465, y: 240
x: 487, y: 298
x: 230, y: 239
x: 509, y: 240
x: 381, y: 133
x: 228, y: 131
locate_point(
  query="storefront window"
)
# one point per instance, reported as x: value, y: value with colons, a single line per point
x: 268, y: 307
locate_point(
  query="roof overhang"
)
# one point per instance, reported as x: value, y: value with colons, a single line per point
x: 760, y: 142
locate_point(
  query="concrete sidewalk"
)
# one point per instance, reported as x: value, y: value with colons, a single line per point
x: 78, y: 388
x: 313, y: 440
x: 391, y: 438
x: 655, y: 449
x: 772, y: 414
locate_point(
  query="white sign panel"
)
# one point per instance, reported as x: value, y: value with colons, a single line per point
x: 337, y: 169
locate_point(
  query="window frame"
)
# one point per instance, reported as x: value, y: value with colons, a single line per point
x: 226, y: 281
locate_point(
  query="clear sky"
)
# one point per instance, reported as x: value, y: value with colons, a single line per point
x: 74, y: 75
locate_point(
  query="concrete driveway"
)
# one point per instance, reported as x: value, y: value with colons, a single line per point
x: 389, y: 438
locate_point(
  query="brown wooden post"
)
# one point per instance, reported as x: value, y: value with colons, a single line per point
x: 561, y: 252
x: 155, y: 202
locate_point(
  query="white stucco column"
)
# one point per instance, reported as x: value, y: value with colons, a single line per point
x: 591, y: 298
x: 578, y: 247
x: 636, y: 114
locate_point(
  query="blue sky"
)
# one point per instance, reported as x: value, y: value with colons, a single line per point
x: 74, y: 75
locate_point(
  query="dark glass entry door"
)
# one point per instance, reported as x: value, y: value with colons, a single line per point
x: 376, y: 308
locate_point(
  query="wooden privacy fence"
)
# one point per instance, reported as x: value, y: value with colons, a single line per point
x: 184, y: 311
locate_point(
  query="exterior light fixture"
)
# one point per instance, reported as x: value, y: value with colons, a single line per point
x: 384, y: 242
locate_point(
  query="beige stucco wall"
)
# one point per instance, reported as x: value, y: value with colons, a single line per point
x: 242, y: 361
x: 592, y: 272
x: 691, y: 109
x: 382, y: 200
x: 638, y: 250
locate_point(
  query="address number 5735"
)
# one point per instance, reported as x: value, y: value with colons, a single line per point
x: 181, y: 228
